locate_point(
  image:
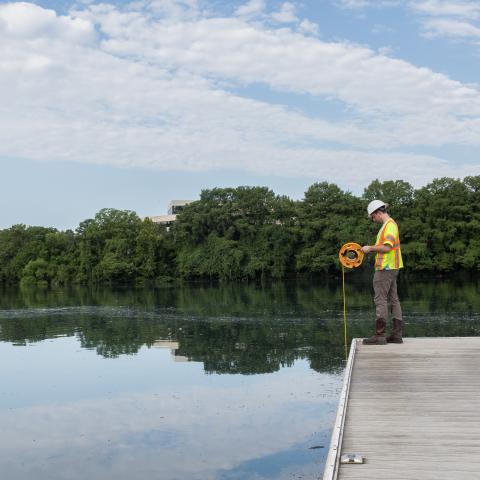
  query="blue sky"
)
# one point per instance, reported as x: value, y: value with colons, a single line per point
x: 131, y: 104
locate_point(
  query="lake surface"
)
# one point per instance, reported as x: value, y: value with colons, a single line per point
x: 191, y: 382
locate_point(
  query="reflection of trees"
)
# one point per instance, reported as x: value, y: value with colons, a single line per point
x: 21, y: 331
x: 224, y: 346
x: 243, y: 329
x: 259, y: 347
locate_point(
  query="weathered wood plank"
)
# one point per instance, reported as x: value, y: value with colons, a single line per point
x: 412, y: 411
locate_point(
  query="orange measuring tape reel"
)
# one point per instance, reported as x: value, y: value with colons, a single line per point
x: 351, y: 255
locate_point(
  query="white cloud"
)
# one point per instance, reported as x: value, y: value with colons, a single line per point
x: 449, y: 18
x: 439, y: 18
x: 173, y: 9
x: 233, y: 49
x: 464, y: 9
x: 150, y: 89
x: 361, y: 4
x: 451, y: 28
x: 354, y: 4
x: 385, y: 51
x: 31, y: 22
x: 308, y: 27
x: 286, y: 14
x: 380, y: 29
x: 251, y: 8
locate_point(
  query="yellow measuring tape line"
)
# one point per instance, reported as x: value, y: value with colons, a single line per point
x: 344, y: 312
x: 350, y: 256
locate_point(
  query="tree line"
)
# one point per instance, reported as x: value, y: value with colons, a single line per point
x: 250, y: 233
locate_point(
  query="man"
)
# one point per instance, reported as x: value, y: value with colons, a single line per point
x: 388, y: 262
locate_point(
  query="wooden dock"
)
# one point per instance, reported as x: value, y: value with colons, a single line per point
x: 411, y: 410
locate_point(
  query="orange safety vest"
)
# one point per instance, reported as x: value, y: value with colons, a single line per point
x: 388, y: 235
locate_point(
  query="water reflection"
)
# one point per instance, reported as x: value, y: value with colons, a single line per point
x: 203, y: 382
x: 223, y: 346
x: 243, y: 329
x: 156, y: 418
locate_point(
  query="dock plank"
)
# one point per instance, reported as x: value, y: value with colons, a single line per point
x: 413, y: 411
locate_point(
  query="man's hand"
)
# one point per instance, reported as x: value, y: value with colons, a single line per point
x: 367, y: 249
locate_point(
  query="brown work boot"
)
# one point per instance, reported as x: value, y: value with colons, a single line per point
x: 396, y: 336
x: 379, y: 337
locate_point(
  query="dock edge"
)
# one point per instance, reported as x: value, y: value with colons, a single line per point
x: 333, y: 458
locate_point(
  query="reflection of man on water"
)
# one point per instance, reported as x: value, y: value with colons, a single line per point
x: 388, y: 262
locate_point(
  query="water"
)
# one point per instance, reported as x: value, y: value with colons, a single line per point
x: 192, y: 382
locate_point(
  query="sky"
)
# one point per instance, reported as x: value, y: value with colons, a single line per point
x: 132, y: 104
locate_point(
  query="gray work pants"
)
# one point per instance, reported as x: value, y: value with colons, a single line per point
x: 385, y: 288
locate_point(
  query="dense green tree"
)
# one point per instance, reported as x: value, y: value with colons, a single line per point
x: 443, y: 212
x: 236, y: 233
x: 328, y: 217
x: 155, y: 253
x: 107, y: 246
x: 20, y: 245
x: 250, y: 233
x: 398, y: 193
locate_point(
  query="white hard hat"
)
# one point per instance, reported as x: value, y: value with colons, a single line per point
x: 375, y: 205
